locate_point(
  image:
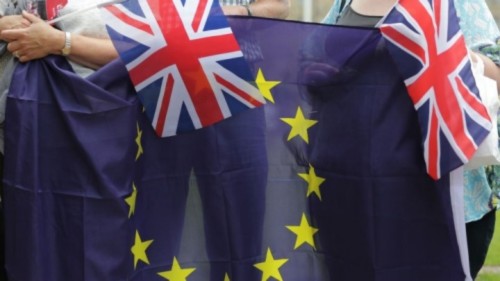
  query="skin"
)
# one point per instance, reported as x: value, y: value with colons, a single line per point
x: 31, y: 38
x: 372, y: 7
x: 491, y: 70
x: 11, y: 22
x: 39, y: 39
x: 261, y: 8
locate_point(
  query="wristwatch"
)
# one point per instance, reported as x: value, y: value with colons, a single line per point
x: 67, y: 44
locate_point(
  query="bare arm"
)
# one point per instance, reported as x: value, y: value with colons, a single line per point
x: 92, y: 52
x: 261, y: 8
x: 491, y: 70
x: 41, y: 39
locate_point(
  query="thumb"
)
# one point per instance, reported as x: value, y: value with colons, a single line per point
x: 31, y: 17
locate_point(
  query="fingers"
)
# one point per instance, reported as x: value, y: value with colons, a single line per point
x: 11, y: 34
x: 14, y: 49
x: 31, y: 18
x: 17, y: 51
x: 17, y: 54
x: 20, y: 23
x: 23, y: 57
x: 24, y: 42
x: 13, y: 46
x: 25, y: 23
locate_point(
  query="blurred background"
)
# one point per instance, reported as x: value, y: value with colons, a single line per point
x: 315, y: 10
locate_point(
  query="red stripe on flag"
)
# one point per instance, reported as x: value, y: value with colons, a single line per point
x: 238, y: 91
x: 433, y: 147
x: 130, y: 21
x: 202, y: 5
x: 162, y: 114
x: 398, y: 38
x: 437, y: 14
x: 188, y: 53
x: 473, y: 101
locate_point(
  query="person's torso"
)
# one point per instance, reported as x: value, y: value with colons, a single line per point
x: 353, y: 18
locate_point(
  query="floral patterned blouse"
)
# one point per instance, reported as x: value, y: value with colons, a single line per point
x: 481, y: 34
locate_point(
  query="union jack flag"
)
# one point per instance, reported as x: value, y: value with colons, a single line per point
x: 183, y: 60
x: 428, y: 47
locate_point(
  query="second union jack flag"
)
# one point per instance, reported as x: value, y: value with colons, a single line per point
x: 184, y: 62
x: 427, y: 45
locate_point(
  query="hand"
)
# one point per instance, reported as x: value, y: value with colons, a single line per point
x: 13, y: 21
x: 35, y: 41
x: 235, y: 10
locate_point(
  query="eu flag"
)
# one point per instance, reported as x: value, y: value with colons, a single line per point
x: 326, y: 182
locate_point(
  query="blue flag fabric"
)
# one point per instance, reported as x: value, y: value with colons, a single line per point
x: 327, y: 182
x: 68, y: 140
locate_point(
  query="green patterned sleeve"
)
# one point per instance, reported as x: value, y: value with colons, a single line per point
x: 493, y: 173
x: 492, y: 51
x: 479, y: 27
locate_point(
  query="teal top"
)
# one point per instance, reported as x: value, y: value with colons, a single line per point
x: 481, y: 34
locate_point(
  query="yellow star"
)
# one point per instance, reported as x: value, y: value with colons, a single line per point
x: 270, y: 267
x: 138, y: 139
x: 313, y: 181
x: 131, y: 200
x: 265, y: 86
x: 304, y: 233
x: 226, y: 277
x: 299, y: 125
x: 139, y: 249
x: 176, y: 273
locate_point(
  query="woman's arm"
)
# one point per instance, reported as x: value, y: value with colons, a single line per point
x: 41, y: 39
x: 491, y: 70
